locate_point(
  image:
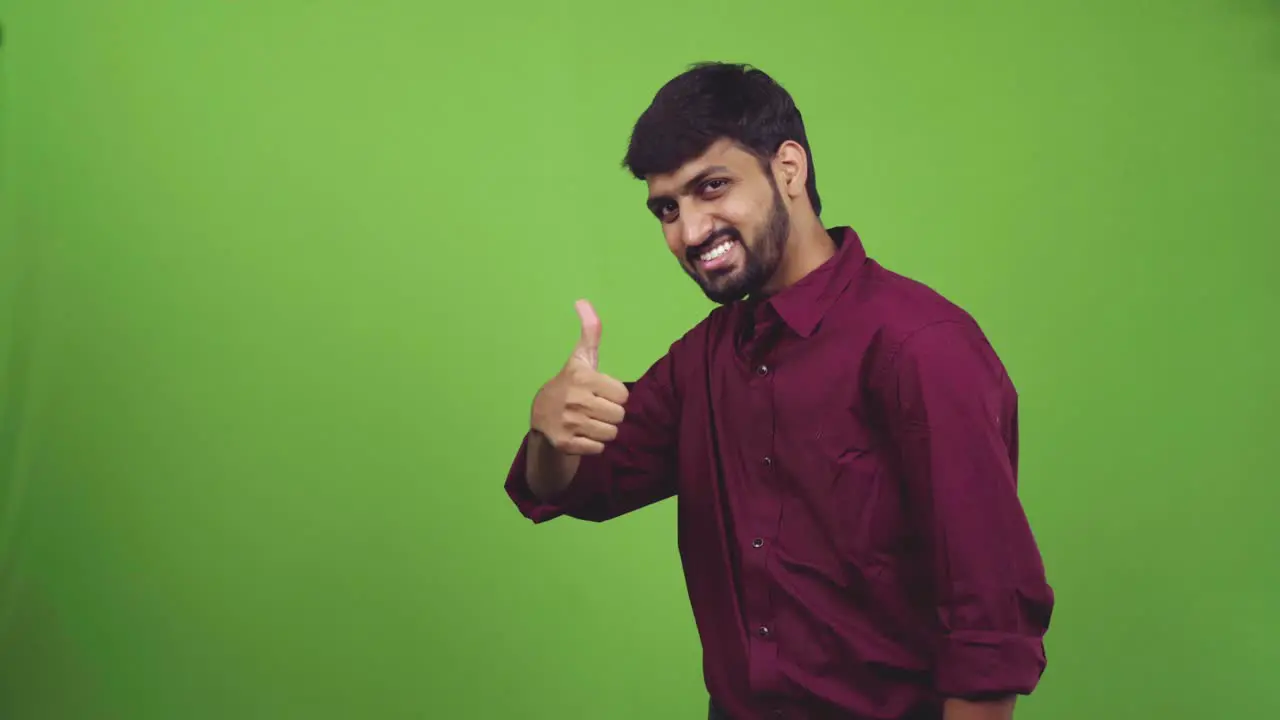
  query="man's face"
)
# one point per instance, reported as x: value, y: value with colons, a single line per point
x: 724, y: 220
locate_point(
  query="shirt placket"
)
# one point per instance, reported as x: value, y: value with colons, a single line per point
x: 763, y: 513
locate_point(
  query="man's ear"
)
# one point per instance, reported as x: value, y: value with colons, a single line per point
x: 791, y: 169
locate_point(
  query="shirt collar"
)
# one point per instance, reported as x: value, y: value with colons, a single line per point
x: 803, y: 304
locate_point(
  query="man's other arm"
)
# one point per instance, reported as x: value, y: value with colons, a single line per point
x: 953, y: 420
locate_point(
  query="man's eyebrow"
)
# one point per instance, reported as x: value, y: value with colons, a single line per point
x: 656, y: 201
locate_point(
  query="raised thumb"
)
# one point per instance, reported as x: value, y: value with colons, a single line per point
x: 588, y: 348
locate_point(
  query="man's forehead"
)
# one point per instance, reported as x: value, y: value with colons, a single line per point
x: 723, y: 155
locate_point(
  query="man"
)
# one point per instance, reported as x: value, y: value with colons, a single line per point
x: 842, y: 440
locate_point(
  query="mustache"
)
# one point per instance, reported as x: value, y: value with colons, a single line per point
x: 715, y: 237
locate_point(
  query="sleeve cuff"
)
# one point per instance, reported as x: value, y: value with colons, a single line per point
x: 570, y: 502
x: 978, y: 664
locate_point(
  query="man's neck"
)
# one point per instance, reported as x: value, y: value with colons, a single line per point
x: 808, y: 247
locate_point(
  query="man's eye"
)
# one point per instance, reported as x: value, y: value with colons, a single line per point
x: 713, y: 185
x: 667, y: 211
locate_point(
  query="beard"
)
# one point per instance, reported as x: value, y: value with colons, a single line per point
x: 761, y: 257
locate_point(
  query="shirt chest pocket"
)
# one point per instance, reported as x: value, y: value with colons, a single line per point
x: 844, y: 438
x: 851, y: 486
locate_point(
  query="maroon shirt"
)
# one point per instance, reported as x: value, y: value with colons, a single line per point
x: 845, y: 460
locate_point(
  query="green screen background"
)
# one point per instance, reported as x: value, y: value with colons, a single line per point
x: 279, y: 278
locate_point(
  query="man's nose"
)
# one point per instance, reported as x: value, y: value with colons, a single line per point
x: 697, y: 228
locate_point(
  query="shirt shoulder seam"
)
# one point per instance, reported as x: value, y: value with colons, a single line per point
x: 895, y: 352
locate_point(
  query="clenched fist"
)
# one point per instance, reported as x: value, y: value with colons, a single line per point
x: 579, y: 410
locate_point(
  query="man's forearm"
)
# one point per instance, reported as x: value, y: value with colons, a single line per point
x: 998, y: 709
x: 548, y: 470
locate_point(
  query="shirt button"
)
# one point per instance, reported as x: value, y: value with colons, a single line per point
x: 762, y: 370
x: 768, y: 461
x: 764, y: 631
x: 758, y: 542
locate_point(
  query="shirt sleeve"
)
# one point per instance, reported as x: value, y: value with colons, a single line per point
x: 952, y: 414
x: 635, y: 470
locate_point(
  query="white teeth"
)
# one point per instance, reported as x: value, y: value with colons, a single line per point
x: 717, y: 251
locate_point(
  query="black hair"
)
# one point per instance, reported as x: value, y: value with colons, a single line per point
x: 713, y: 101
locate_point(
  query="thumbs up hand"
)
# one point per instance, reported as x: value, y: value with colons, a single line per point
x: 579, y: 410
x: 587, y: 351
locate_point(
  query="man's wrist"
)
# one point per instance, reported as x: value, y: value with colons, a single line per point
x: 981, y: 707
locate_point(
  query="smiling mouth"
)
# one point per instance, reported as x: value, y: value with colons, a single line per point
x: 718, y: 255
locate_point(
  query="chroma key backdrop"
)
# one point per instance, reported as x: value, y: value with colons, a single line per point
x: 278, y: 280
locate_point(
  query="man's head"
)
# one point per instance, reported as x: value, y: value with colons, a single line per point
x: 723, y: 150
